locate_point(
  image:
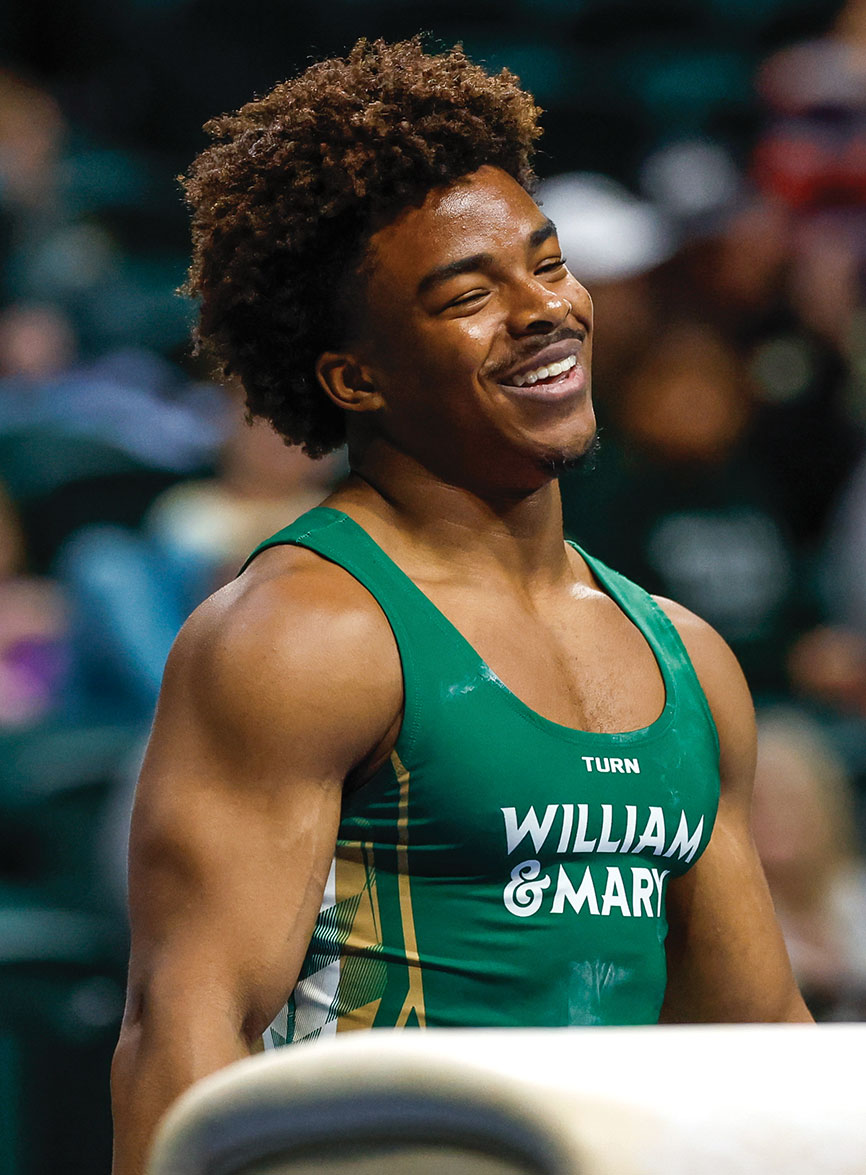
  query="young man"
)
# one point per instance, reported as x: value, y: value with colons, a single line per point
x: 423, y: 763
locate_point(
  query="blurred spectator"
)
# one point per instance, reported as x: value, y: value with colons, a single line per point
x: 775, y: 259
x: 829, y: 664
x: 211, y: 526
x: 71, y: 230
x: 88, y: 441
x: 34, y: 637
x: 812, y: 154
x: 31, y: 133
x: 681, y: 505
x: 694, y: 182
x: 133, y: 590
x: 733, y: 273
x: 749, y: 277
x: 36, y: 343
x: 846, y: 572
x: 687, y: 401
x: 132, y: 400
x: 805, y: 832
x: 812, y: 159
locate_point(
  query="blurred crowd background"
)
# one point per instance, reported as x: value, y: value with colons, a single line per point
x: 705, y: 161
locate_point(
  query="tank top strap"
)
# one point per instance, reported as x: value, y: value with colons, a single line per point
x: 431, y: 649
x: 337, y: 537
x: 659, y: 630
x: 425, y: 640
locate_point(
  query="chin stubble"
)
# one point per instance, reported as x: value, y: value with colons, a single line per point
x: 585, y: 461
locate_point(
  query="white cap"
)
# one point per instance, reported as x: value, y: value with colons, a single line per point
x: 606, y: 233
x: 695, y: 181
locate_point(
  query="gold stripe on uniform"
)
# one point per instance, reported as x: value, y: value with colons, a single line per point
x: 415, y: 996
x: 356, y: 875
x: 361, y: 1017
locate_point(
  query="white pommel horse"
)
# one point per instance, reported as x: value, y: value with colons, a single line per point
x: 716, y: 1100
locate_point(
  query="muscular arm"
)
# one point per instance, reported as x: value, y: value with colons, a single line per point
x: 726, y: 957
x: 262, y: 716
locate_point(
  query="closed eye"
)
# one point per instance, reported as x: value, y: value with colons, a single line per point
x: 551, y: 266
x: 467, y: 299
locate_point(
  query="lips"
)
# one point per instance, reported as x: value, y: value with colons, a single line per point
x: 558, y: 389
x: 567, y: 380
x: 551, y: 355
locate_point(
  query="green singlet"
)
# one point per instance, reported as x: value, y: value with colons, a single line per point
x: 501, y: 870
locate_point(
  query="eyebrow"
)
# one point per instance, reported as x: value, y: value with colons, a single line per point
x: 479, y: 260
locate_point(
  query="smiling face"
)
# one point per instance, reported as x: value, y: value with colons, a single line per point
x: 473, y: 343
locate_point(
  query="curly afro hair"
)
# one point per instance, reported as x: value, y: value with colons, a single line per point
x: 285, y: 199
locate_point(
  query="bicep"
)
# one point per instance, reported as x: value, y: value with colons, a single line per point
x: 224, y: 886
x: 236, y: 816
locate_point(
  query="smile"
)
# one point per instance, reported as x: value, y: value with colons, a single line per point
x: 542, y: 373
x: 554, y: 382
x: 552, y: 372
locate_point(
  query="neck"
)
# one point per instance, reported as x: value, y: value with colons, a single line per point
x: 482, y: 531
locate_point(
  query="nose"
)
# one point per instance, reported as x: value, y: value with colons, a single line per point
x: 537, y: 309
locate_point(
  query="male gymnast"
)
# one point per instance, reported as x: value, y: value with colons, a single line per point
x: 424, y: 763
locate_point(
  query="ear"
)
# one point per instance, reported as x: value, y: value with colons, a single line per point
x: 348, y: 383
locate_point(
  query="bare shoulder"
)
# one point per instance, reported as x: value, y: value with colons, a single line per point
x: 709, y: 652
x: 294, y: 644
x: 726, y: 691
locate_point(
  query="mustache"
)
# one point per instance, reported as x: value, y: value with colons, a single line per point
x: 535, y: 346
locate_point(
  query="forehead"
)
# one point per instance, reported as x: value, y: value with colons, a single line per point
x: 485, y: 212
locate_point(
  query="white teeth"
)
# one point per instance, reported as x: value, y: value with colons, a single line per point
x: 545, y: 372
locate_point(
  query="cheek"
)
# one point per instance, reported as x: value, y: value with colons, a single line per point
x: 416, y: 351
x: 454, y: 350
x: 396, y: 352
x: 469, y: 347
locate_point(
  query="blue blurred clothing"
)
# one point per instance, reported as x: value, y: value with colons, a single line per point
x: 129, y: 604
x: 133, y: 401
